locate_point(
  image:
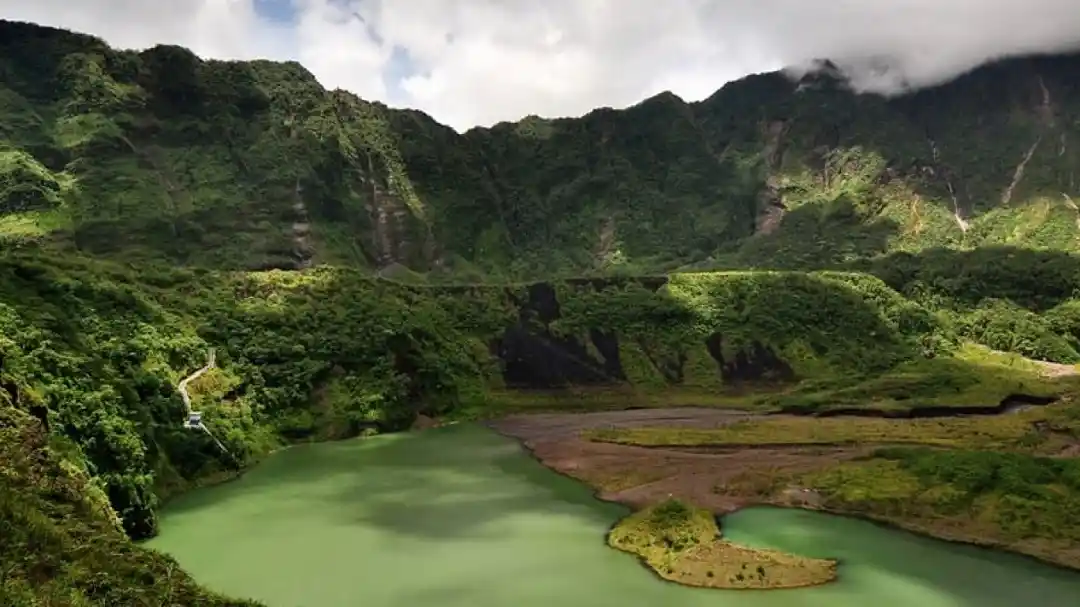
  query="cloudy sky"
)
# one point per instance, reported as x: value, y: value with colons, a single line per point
x: 476, y: 62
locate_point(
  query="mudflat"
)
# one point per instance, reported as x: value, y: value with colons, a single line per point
x: 643, y: 476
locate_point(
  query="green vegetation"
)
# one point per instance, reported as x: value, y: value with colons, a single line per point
x: 682, y: 544
x: 160, y: 155
x: 973, y: 378
x: 1029, y: 504
x: 356, y: 266
x: 999, y: 432
x: 60, y: 543
x: 320, y: 354
x: 987, y: 480
x: 959, y: 383
x: 95, y: 349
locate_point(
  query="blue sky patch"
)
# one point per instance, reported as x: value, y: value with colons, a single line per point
x: 276, y: 11
x: 283, y: 13
x: 400, y: 67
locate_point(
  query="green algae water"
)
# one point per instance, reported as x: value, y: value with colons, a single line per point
x: 461, y: 517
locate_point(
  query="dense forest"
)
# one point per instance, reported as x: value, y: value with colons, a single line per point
x: 355, y: 267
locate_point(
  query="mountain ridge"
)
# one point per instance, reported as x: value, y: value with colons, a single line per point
x: 257, y: 161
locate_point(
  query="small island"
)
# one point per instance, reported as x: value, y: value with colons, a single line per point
x: 683, y: 544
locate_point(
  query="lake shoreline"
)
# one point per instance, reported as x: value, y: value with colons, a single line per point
x: 639, y: 497
x: 728, y: 503
x: 472, y: 508
x: 648, y: 534
x: 914, y: 528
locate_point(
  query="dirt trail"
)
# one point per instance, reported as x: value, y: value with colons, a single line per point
x: 1057, y: 369
x: 640, y: 476
x: 192, y: 419
x: 182, y: 386
x: 1049, y: 369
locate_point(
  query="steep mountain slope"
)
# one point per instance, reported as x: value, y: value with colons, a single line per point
x: 162, y: 155
x: 60, y: 541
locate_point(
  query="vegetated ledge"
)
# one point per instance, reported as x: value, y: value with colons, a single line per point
x: 683, y: 544
x: 1008, y: 404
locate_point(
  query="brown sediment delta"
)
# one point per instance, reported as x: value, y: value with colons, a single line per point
x: 640, y: 477
x: 722, y: 481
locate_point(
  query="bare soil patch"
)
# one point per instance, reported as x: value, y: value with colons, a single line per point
x: 640, y: 477
x: 1054, y: 370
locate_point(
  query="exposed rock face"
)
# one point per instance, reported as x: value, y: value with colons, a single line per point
x: 536, y: 357
x: 771, y: 207
x: 755, y: 362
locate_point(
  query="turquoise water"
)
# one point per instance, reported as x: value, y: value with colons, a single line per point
x: 461, y: 517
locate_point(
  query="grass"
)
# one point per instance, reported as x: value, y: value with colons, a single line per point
x: 621, y: 477
x: 1012, y: 501
x: 682, y: 544
x: 993, y: 359
x: 990, y: 432
x: 613, y: 398
x: 975, y: 377
x: 984, y: 479
x: 33, y: 223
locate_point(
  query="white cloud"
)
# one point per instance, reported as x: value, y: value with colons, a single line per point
x: 336, y: 46
x: 213, y: 28
x: 481, y: 61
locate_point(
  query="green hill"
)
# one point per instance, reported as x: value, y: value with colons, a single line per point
x: 356, y: 266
